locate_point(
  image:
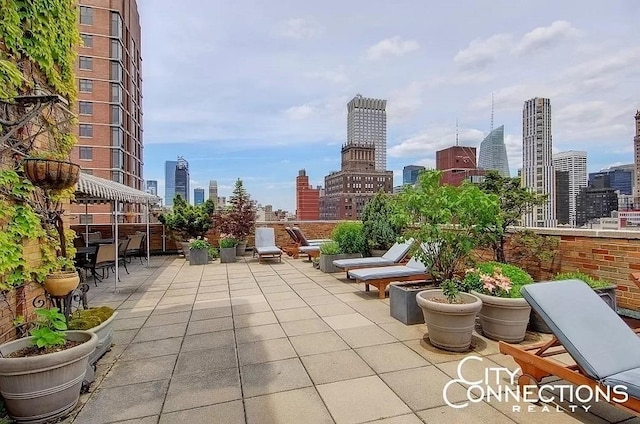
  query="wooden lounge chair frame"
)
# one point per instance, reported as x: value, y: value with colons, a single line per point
x: 294, y: 250
x: 382, y: 283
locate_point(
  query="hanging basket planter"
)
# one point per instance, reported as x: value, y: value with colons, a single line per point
x: 51, y: 174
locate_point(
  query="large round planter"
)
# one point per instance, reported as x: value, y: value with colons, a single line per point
x: 104, y: 332
x: 61, y: 283
x: 450, y: 325
x: 227, y: 255
x: 504, y: 319
x: 41, y: 388
x: 198, y: 256
x: 241, y: 248
x: 51, y: 174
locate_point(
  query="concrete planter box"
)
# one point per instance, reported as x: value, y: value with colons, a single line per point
x: 503, y: 318
x: 227, y: 255
x: 198, y: 256
x: 326, y: 261
x: 403, y: 304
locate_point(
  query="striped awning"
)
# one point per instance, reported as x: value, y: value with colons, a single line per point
x: 92, y: 189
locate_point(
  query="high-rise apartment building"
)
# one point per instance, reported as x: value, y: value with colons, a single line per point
x: 182, y: 178
x: 367, y: 124
x: 575, y: 162
x: 410, y: 173
x: 537, y: 166
x: 636, y: 148
x: 169, y: 181
x: 198, y: 196
x: 152, y: 187
x: 595, y: 202
x: 307, y: 198
x: 493, y: 153
x: 213, y: 192
x: 109, y: 106
x: 619, y: 177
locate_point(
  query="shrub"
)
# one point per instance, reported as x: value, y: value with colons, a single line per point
x: 227, y: 242
x: 379, y: 230
x: 213, y: 253
x: 189, y: 221
x: 330, y: 248
x: 49, y: 329
x: 496, y: 279
x: 199, y: 244
x: 350, y: 237
x: 593, y: 282
x: 85, y: 319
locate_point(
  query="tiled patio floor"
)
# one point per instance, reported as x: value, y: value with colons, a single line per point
x: 279, y: 343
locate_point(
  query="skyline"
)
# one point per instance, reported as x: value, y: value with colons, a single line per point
x: 255, y: 92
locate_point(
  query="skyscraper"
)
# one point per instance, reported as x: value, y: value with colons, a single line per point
x: 307, y: 198
x: 169, y: 181
x: 198, y: 196
x: 109, y: 106
x: 367, y: 124
x: 575, y: 162
x: 410, y: 173
x: 182, y: 178
x: 152, y: 187
x: 213, y: 192
x: 493, y: 153
x: 537, y: 166
x: 620, y: 177
x: 636, y: 147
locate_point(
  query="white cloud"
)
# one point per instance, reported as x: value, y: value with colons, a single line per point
x: 334, y: 77
x: 299, y: 28
x: 433, y: 139
x: 482, y: 53
x: 394, y: 46
x: 545, y: 37
x: 300, y: 112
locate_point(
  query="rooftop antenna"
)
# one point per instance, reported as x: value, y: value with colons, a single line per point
x: 491, y: 112
x: 456, y: 131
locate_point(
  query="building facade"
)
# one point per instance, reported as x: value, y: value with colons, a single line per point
x: 198, y: 196
x: 169, y: 181
x: 636, y: 148
x: 152, y: 187
x: 410, y: 174
x: 574, y: 162
x: 595, y: 202
x: 562, y: 198
x: 348, y: 190
x: 307, y: 198
x: 537, y: 165
x: 493, y: 153
x: 457, y: 163
x: 620, y: 178
x: 213, y: 192
x: 109, y: 107
x: 182, y: 178
x: 367, y: 124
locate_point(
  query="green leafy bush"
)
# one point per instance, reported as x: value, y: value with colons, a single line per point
x: 379, y: 229
x: 330, y: 248
x: 593, y: 282
x: 199, y: 244
x: 49, y: 329
x: 189, y: 221
x: 227, y: 242
x: 451, y: 290
x: 350, y: 237
x: 496, y: 279
x: 213, y: 253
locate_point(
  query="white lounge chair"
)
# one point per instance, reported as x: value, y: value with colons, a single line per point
x: 393, y: 256
x: 266, y: 244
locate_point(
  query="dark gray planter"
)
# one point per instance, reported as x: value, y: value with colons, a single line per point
x: 227, y: 255
x: 326, y: 261
x: 403, y: 304
x: 198, y: 256
x: 184, y: 245
x: 241, y: 248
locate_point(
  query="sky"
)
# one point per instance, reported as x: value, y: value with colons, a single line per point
x: 258, y: 90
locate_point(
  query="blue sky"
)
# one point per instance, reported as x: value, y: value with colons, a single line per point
x: 258, y: 90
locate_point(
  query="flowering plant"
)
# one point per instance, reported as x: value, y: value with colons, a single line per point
x: 496, y: 279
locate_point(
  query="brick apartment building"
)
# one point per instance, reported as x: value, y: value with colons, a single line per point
x: 307, y: 198
x: 457, y: 163
x: 109, y: 105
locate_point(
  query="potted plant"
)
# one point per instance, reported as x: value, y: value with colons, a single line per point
x: 504, y: 314
x: 95, y: 320
x: 41, y: 375
x: 378, y: 228
x: 63, y: 278
x: 188, y: 222
x: 239, y: 219
x: 199, y: 252
x: 49, y: 173
x: 348, y: 242
x: 450, y: 316
x: 227, y: 250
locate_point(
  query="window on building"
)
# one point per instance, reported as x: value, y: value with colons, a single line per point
x: 85, y: 85
x: 116, y: 115
x: 86, y: 153
x: 86, y: 130
x: 86, y: 63
x: 116, y: 93
x: 86, y: 219
x: 116, y: 50
x: 116, y: 25
x: 85, y: 108
x: 87, y: 40
x: 117, y: 176
x: 86, y: 15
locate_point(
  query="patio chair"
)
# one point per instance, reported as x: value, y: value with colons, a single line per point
x: 305, y: 241
x: 122, y: 252
x: 393, y: 256
x: 135, y: 247
x: 313, y: 251
x: 381, y: 277
x: 105, y: 258
x: 266, y: 244
x: 605, y: 349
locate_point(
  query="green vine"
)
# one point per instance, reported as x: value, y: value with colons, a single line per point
x: 45, y: 32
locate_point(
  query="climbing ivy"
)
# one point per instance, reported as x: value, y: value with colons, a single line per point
x: 45, y: 33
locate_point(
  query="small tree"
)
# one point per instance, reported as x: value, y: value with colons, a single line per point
x: 188, y: 221
x: 515, y: 201
x: 447, y: 221
x: 380, y: 232
x: 239, y: 219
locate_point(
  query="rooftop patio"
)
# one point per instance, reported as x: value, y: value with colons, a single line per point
x: 282, y: 342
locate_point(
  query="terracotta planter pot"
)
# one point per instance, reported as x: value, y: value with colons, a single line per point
x: 450, y: 325
x: 41, y: 388
x: 61, y: 283
x: 51, y: 174
x: 503, y: 318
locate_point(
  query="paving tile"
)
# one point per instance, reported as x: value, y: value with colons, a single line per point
x: 254, y: 319
x: 209, y: 312
x: 124, y: 403
x: 272, y: 377
x: 359, y: 400
x: 165, y: 319
x: 390, y: 357
x: 151, y: 349
x: 401, y: 419
x: 213, y: 288
x: 276, y: 288
x: 308, y: 293
x: 227, y: 413
x: 405, y: 332
x: 257, y: 333
x: 265, y: 351
x: 287, y: 304
x: 218, y: 295
x: 140, y: 371
x: 251, y: 308
x: 181, y: 292
x: 473, y: 370
x: 128, y: 323
x: 123, y: 337
x: 432, y: 353
x: 178, y: 300
x: 480, y: 413
x: 311, y: 344
x: 245, y: 293
x: 208, y: 341
x: 335, y: 366
x: 294, y: 406
x: 339, y: 322
x: 322, y: 300
x: 295, y: 314
x: 145, y: 420
x: 271, y: 297
x: 332, y: 309
x: 195, y: 390
x: 307, y: 326
x: 365, y: 336
x: 209, y: 325
x: 200, y: 361
x: 170, y: 309
x: 158, y: 333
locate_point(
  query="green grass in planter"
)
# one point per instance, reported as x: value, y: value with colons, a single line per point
x: 594, y: 283
x: 84, y: 319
